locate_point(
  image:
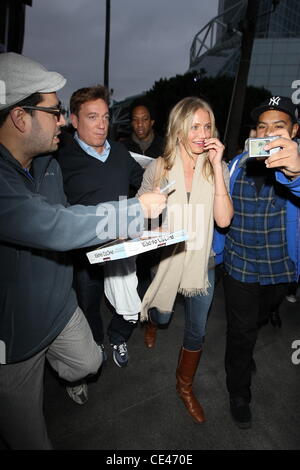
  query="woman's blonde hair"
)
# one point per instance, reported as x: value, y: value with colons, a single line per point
x: 179, y: 125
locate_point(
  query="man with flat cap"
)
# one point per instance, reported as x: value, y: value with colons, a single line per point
x: 261, y: 247
x: 39, y: 316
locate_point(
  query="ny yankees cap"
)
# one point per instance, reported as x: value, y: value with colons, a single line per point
x: 281, y: 103
x: 20, y: 77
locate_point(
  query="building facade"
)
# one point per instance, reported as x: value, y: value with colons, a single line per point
x: 275, y: 62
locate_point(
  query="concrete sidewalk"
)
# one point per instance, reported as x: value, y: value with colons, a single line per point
x: 136, y: 408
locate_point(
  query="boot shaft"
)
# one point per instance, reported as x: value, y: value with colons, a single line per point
x: 187, y: 363
x: 186, y: 369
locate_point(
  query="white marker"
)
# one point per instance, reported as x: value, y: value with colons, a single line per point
x: 167, y: 186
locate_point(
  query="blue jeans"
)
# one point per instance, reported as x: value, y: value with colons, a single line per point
x: 196, y: 312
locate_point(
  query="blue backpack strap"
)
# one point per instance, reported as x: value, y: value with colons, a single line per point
x: 219, y: 234
x: 234, y: 170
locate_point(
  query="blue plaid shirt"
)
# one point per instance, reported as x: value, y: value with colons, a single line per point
x: 256, y: 245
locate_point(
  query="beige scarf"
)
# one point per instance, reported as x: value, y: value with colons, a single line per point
x: 183, y: 267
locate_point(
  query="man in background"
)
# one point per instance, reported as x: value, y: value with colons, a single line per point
x: 144, y: 140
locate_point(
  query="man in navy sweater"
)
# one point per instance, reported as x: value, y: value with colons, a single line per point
x: 95, y: 169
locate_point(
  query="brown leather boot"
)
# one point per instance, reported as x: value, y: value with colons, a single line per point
x: 150, y: 334
x: 186, y: 369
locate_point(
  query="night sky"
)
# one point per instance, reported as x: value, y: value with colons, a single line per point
x: 149, y: 40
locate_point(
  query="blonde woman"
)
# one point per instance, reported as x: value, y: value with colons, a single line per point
x: 198, y: 199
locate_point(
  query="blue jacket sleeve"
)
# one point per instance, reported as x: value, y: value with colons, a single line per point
x: 292, y: 185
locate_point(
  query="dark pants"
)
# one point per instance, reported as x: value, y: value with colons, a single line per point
x: 89, y: 286
x: 248, y: 305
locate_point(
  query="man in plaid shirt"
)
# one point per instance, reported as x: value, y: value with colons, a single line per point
x: 260, y: 253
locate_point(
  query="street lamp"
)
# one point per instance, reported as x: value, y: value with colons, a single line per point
x: 106, y: 54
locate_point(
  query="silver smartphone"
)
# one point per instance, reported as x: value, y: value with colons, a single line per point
x: 256, y: 147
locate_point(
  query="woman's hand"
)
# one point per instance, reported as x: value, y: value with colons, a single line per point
x: 153, y: 203
x: 215, y: 150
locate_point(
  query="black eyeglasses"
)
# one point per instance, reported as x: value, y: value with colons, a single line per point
x: 57, y: 110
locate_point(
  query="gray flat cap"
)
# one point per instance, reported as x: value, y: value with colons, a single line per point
x: 20, y: 77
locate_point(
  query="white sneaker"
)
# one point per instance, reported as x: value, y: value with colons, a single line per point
x: 291, y: 298
x: 102, y: 352
x: 79, y: 394
x: 120, y: 354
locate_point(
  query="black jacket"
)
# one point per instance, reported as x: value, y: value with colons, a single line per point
x: 155, y: 150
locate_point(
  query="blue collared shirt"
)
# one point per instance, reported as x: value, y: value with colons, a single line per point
x: 91, y: 151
